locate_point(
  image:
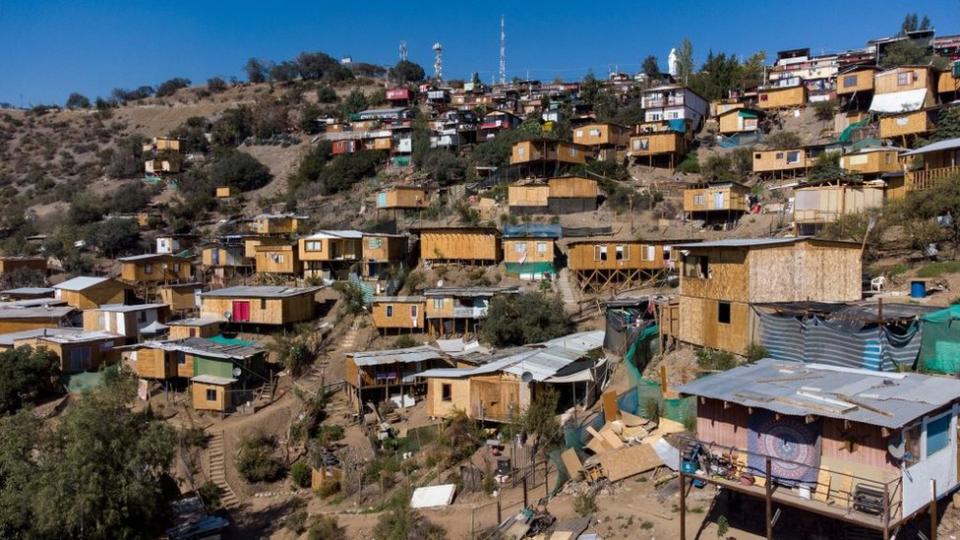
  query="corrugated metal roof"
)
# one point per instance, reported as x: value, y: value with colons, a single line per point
x: 948, y: 144
x: 125, y: 308
x: 29, y: 290
x: 259, y: 291
x: 80, y: 283
x: 206, y: 347
x: 744, y: 242
x: 321, y: 235
x: 398, y: 299
x: 470, y: 291
x: 41, y: 312
x: 8, y: 339
x: 195, y: 321
x: 821, y: 390
x: 81, y: 337
x: 146, y: 257
x: 213, y: 379
x: 396, y: 356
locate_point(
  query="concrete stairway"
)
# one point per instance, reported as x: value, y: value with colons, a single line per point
x: 215, y: 453
x: 567, y: 291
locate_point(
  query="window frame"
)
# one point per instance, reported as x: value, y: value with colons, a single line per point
x: 446, y: 392
x: 215, y: 394
x: 722, y: 307
x: 388, y: 310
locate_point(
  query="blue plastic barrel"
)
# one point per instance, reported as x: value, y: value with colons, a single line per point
x: 918, y: 289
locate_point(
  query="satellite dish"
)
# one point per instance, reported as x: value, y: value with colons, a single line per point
x: 228, y: 315
x: 897, y: 447
x: 237, y: 372
x: 526, y: 377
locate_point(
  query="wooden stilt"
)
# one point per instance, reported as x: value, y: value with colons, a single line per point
x: 683, y: 506
x: 768, y: 492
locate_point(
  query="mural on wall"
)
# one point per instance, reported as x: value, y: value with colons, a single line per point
x: 793, y: 444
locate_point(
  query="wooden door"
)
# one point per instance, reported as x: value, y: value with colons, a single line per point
x: 241, y: 311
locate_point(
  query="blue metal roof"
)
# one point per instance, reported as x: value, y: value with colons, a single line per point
x: 533, y: 230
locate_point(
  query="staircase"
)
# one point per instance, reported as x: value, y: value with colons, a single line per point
x: 215, y: 453
x: 349, y: 340
x: 570, y: 303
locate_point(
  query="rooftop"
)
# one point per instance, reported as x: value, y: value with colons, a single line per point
x: 948, y: 144
x: 259, y: 291
x: 7, y: 340
x: 322, y: 235
x: 28, y: 291
x: 126, y: 308
x: 396, y: 356
x: 756, y: 242
x: 195, y: 321
x: 890, y: 400
x: 81, y: 283
x: 470, y: 291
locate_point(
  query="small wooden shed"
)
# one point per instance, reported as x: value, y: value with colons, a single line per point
x: 265, y: 305
x: 474, y: 245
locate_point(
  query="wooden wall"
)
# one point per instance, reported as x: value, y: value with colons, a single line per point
x: 277, y: 260
x: 700, y: 325
x: 805, y: 272
x: 583, y: 256
x: 200, y: 401
x: 497, y: 394
x: 947, y: 83
x: 659, y: 143
x: 459, y: 397
x: 728, y: 275
x: 531, y: 151
x: 108, y: 292
x: 155, y: 364
x: 510, y: 253
x: 862, y: 81
x: 776, y: 98
x: 877, y: 162
x: 459, y: 245
x: 392, y: 248
x: 178, y: 331
x: 286, y: 310
x: 573, y: 187
x: 153, y: 270
x: 529, y: 195
x: 920, y: 77
x: 331, y: 249
x: 601, y: 135
x: 179, y: 298
x: 704, y: 199
x: 17, y: 325
x: 9, y: 264
x: 902, y: 125
x: 402, y: 317
x: 406, y: 198
x: 229, y: 256
x: 440, y: 307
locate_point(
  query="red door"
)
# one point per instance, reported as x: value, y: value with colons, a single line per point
x: 241, y: 311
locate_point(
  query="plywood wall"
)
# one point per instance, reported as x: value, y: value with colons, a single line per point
x: 805, y: 272
x: 704, y: 199
x: 727, y: 275
x: 277, y: 260
x: 655, y: 144
x: 264, y: 311
x: 855, y: 81
x: 871, y: 162
x: 782, y: 98
x: 573, y: 187
x: 392, y: 248
x: 532, y: 195
x: 406, y: 315
x: 902, y: 125
x: 331, y: 249
x: 776, y: 160
x: 531, y: 253
x: 437, y: 407
x: 200, y: 401
x: 583, y: 256
x: 917, y: 78
x: 459, y: 246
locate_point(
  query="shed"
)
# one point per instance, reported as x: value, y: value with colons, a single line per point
x: 85, y: 292
x: 375, y: 372
x: 476, y: 245
x: 267, y: 305
x: 529, y: 250
x: 398, y: 313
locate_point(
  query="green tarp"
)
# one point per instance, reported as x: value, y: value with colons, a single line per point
x: 640, y: 352
x: 224, y: 340
x: 209, y: 366
x: 538, y: 268
x: 81, y: 382
x: 940, y: 341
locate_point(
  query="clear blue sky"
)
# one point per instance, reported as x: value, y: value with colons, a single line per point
x: 51, y: 48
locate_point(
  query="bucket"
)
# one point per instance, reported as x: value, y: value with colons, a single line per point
x: 918, y: 289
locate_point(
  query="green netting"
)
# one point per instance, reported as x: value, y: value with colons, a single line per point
x: 562, y: 475
x: 640, y: 352
x: 940, y: 341
x: 543, y: 267
x: 847, y: 133
x: 679, y: 409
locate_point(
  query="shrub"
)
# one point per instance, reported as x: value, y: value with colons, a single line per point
x: 352, y: 296
x: 689, y: 163
x: 937, y: 269
x: 755, y: 352
x: 585, y: 504
x: 520, y: 319
x: 256, y: 462
x: 403, y: 523
x: 713, y: 360
x: 216, y: 85
x: 404, y: 342
x: 326, y: 528
x: 301, y: 474
x: 243, y: 171
x: 783, y: 140
x: 296, y: 521
x: 170, y: 87
x: 210, y: 494
x: 328, y: 489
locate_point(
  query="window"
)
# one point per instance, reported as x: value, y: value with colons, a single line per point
x: 446, y: 391
x: 764, y: 97
x: 793, y: 156
x: 849, y: 80
x: 211, y: 394
x: 757, y: 156
x: 696, y: 266
x: 520, y: 247
x: 389, y: 311
x: 579, y: 133
x: 148, y: 268
x: 723, y: 312
x: 176, y: 268
x: 182, y: 358
x: 375, y: 243
x: 674, y: 115
x: 911, y: 443
x: 649, y: 253
x: 600, y: 253
x: 438, y: 303
x: 541, y: 247
x: 263, y: 304
x: 779, y: 155
x: 521, y: 151
x: 313, y: 245
x: 938, y: 434
x: 594, y: 133
x: 641, y: 144
x: 141, y: 316
x: 904, y: 78
x: 698, y: 200
x: 623, y: 253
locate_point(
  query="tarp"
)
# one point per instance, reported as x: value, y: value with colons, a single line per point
x: 814, y: 339
x: 940, y: 343
x: 534, y: 268
x: 793, y: 444
x: 896, y: 102
x: 430, y: 496
x: 848, y: 132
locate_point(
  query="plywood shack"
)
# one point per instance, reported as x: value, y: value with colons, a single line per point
x: 719, y: 281
x: 716, y: 201
x: 571, y: 193
x: 181, y: 296
x: 381, y: 253
x: 85, y: 292
x: 741, y: 120
x: 528, y: 197
x: 381, y: 373
x: 266, y: 305
x: 602, y: 135
x: 601, y: 263
x: 900, y: 127
x: 403, y: 198
x: 782, y: 97
x: 11, y: 263
x: 475, y: 245
x: 278, y: 259
x: 872, y: 162
x: 154, y: 268
x: 329, y: 253
x: 398, y: 313
x: 76, y: 353
x: 661, y: 148
x: 815, y: 206
x: 788, y: 163
x: 547, y: 150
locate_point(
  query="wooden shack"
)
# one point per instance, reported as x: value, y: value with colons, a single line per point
x: 378, y: 375
x: 941, y: 160
x: 181, y: 296
x: 11, y: 263
x: 403, y: 198
x: 570, y: 193
x: 785, y: 97
x: 330, y: 253
x: 211, y: 393
x: 128, y: 321
x: 274, y: 224
x: 873, y: 162
x: 454, y: 310
x: 815, y: 206
x: 528, y: 197
x: 473, y: 245
x: 715, y: 202
x: 855, y: 86
x: 20, y: 316
x: 382, y: 253
x: 547, y: 156
x: 603, y: 263
x: 719, y: 281
x: 905, y: 127
x: 780, y: 164
x: 740, y: 120
x: 529, y: 250
x: 86, y: 351
x: 153, y: 268
x: 397, y: 314
x: 867, y: 448
x: 658, y: 148
x: 263, y: 305
x: 86, y: 292
x: 225, y: 192
x: 203, y: 327
x: 278, y: 259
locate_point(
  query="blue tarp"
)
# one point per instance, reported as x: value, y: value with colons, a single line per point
x: 532, y: 230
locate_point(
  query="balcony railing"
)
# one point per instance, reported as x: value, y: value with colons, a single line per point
x: 469, y: 312
x: 925, y: 179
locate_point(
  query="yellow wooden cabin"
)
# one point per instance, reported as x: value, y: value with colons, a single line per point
x: 901, y: 126
x: 601, y: 264
x: 155, y: 268
x: 20, y: 317
x: 278, y: 259
x: 396, y: 314
x: 663, y: 148
x: 815, y: 206
x: 278, y: 224
x: 403, y: 198
x: 740, y: 120
x: 782, y: 97
x: 454, y: 310
x: 160, y: 144
x: 211, y: 393
x: 857, y: 80
x: 388, y: 372
x: 474, y: 245
x: 872, y: 162
x: 940, y: 161
x: 720, y: 106
x: 263, y: 305
x: 602, y: 135
x: 571, y: 193
x: 180, y: 296
x: 711, y: 201
x: 947, y: 85
x: 10, y: 263
x: 155, y: 363
x: 788, y: 163
x: 546, y: 151
x: 76, y: 353
x: 382, y: 252
x: 86, y: 292
x: 528, y: 196
x: 225, y: 192
x: 921, y: 79
x: 325, y: 252
x: 720, y: 280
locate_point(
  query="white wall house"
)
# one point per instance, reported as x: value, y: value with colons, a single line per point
x: 674, y: 102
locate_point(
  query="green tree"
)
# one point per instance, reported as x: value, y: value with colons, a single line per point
x: 905, y: 53
x: 310, y: 167
x: 77, y: 101
x: 948, y: 124
x: 326, y: 94
x: 942, y: 198
x: 650, y: 67
x: 216, y: 85
x: 405, y: 72
x: 114, y: 236
x: 256, y: 70
x: 909, y: 24
x: 86, y: 208
x: 170, y: 87
x: 783, y: 140
x: 520, y: 319
x: 284, y: 71
x: 256, y: 462
x: 240, y: 170
x: 355, y: 102
x: 718, y: 76
x: 539, y: 420
x: 233, y: 126
x: 193, y: 134
x: 25, y: 374
x: 685, y: 60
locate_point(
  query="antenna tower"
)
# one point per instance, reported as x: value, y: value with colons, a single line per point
x: 438, y: 61
x: 403, y: 51
x: 503, y: 51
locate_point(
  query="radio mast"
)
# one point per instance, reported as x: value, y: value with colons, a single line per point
x: 503, y: 51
